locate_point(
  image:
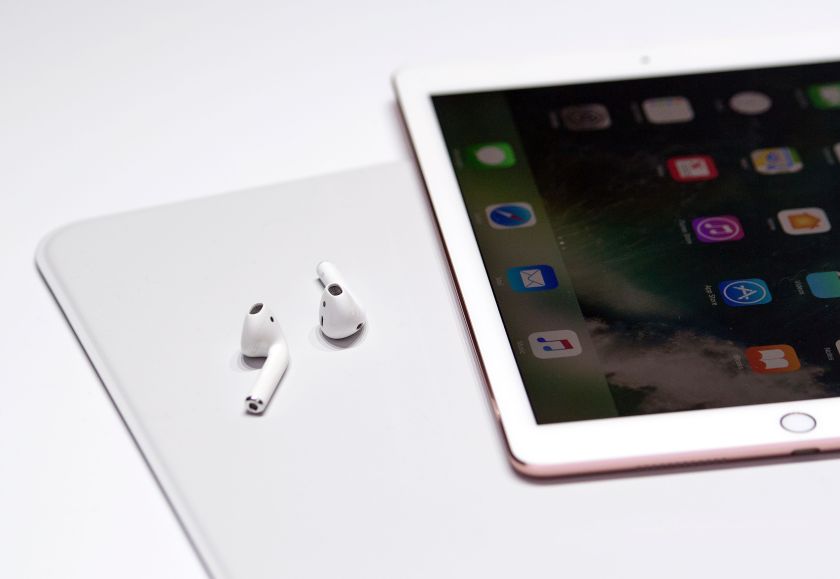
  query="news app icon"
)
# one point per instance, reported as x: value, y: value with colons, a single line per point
x: 717, y: 229
x: 668, y: 110
x: 745, y: 292
x: 804, y: 221
x: 510, y: 215
x: 590, y: 117
x: 692, y: 168
x: 555, y: 344
x: 776, y: 161
x: 774, y: 359
x: 532, y: 278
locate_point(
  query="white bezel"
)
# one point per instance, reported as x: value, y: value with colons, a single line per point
x: 612, y: 443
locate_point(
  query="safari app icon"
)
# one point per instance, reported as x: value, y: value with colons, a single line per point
x: 510, y: 215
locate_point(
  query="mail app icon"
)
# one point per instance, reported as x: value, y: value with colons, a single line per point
x: 532, y: 278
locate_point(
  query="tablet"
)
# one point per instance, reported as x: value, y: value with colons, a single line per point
x: 647, y: 249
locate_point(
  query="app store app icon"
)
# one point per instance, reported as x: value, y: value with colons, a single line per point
x: 745, y: 292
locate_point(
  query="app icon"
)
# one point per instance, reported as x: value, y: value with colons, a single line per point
x: 745, y: 292
x: 750, y: 103
x: 666, y: 110
x: 824, y: 284
x: 825, y: 96
x: 556, y: 344
x: 776, y: 160
x: 532, y: 278
x: 491, y: 156
x: 717, y: 229
x: 591, y: 117
x: 510, y: 215
x: 773, y: 359
x: 692, y: 168
x: 804, y: 221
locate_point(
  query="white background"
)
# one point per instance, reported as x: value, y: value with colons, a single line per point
x: 109, y: 106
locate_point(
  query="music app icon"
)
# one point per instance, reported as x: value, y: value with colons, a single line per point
x: 555, y: 344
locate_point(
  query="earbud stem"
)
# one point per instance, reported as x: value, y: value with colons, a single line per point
x: 272, y: 371
x: 328, y: 273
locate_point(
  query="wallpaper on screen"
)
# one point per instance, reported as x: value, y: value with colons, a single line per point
x: 648, y: 284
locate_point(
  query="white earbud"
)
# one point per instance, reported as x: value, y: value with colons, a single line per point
x: 262, y: 337
x: 340, y: 314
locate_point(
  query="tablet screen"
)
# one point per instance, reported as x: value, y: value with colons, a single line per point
x: 661, y: 244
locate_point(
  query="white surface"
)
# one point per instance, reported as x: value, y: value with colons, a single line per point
x: 380, y: 437
x: 108, y: 106
x: 596, y: 445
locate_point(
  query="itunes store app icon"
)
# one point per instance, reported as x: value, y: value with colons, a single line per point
x: 717, y: 229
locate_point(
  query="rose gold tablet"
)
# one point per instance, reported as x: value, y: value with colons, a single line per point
x: 647, y: 248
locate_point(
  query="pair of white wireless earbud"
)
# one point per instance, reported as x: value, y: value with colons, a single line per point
x: 341, y: 316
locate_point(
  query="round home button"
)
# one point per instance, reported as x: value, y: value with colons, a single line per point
x: 798, y: 422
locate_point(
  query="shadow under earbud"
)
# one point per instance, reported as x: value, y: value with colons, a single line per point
x: 319, y: 339
x: 248, y: 363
